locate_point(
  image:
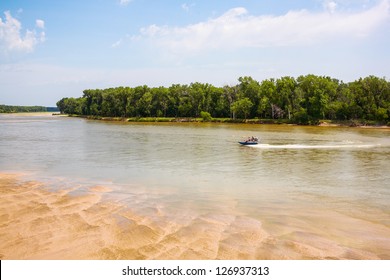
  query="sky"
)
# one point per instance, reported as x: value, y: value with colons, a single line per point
x: 55, y: 49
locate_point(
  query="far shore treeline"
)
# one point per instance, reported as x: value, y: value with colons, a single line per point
x: 304, y: 100
x: 26, y: 109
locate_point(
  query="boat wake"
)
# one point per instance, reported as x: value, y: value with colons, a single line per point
x: 301, y: 146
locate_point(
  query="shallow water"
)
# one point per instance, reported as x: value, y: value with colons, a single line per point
x: 304, y: 192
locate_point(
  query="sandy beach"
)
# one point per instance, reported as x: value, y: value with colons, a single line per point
x: 36, y: 223
x: 39, y: 223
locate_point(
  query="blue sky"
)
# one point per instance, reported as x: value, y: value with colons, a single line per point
x: 53, y: 49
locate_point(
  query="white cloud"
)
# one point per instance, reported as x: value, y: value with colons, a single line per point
x: 11, y: 38
x: 186, y: 7
x: 330, y: 6
x: 40, y: 23
x: 237, y: 28
x: 117, y: 43
x: 125, y: 2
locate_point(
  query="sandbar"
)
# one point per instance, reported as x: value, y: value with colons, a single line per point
x: 37, y: 222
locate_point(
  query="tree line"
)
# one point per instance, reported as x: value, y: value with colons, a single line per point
x: 305, y: 99
x: 25, y: 109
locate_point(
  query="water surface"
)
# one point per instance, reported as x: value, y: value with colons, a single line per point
x: 315, y: 192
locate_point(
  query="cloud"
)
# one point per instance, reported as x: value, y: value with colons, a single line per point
x: 237, y: 29
x: 117, y: 43
x: 186, y: 7
x: 125, y: 2
x: 12, y: 39
x: 330, y: 6
x: 40, y: 23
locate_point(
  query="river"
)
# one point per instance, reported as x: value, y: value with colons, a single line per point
x: 303, y: 192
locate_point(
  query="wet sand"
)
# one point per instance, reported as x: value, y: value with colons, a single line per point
x: 37, y: 222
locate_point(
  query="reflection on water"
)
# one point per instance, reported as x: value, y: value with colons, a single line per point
x: 301, y: 183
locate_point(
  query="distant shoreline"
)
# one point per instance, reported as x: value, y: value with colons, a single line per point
x: 323, y: 123
x: 32, y: 113
x: 10, y: 109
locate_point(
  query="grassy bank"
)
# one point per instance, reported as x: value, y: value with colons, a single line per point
x: 189, y: 120
x: 346, y: 123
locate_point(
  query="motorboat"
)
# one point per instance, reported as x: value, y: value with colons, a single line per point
x: 250, y: 141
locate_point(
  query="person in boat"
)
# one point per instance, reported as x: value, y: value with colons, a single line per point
x: 252, y: 139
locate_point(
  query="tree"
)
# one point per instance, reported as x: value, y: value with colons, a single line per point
x: 301, y: 116
x: 175, y: 92
x: 197, y: 98
x: 19, y: 109
x: 371, y: 94
x: 93, y: 102
x: 219, y: 105
x: 305, y: 99
x: 230, y: 94
x: 139, y: 107
x: 61, y: 105
x: 205, y: 116
x: 242, y: 107
x: 121, y: 101
x: 145, y: 105
x: 159, y: 101
x: 250, y: 88
x: 316, y: 93
x: 277, y: 112
x: 71, y: 105
x: 288, y: 99
x: 267, y: 92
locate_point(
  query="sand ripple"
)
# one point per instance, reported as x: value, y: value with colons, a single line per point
x: 37, y: 223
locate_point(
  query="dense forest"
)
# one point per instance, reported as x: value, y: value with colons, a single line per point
x: 304, y: 100
x: 27, y: 109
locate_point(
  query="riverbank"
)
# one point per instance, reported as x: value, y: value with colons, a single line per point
x: 330, y: 123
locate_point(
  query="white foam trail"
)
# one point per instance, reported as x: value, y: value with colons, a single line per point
x: 300, y: 146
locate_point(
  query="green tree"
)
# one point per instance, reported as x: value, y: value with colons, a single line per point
x: 288, y: 99
x: 72, y: 105
x: 250, y: 88
x: 305, y: 99
x: 267, y: 93
x: 175, y: 93
x: 94, y: 100
x: 109, y: 105
x: 219, y: 106
x: 139, y: 105
x: 120, y: 96
x: 205, y: 116
x: 230, y: 94
x: 316, y: 94
x: 242, y: 107
x: 372, y: 93
x: 160, y: 101
x: 145, y: 105
x: 61, y: 104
